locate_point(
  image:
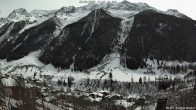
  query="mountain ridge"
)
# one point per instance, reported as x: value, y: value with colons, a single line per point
x: 124, y: 5
x: 80, y: 38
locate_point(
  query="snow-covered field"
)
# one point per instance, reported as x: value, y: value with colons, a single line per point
x: 109, y: 64
x: 30, y: 67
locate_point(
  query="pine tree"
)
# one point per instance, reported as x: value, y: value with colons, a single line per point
x: 104, y: 83
x: 195, y: 81
x: 158, y: 62
x: 88, y: 81
x: 132, y: 79
x: 110, y: 75
x: 194, y: 87
x: 69, y: 82
x: 34, y: 75
x: 111, y: 85
x: 140, y: 80
x: 59, y: 82
x: 178, y: 68
x: 64, y: 83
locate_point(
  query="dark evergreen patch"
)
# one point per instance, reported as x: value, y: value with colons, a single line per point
x: 83, y: 43
x: 5, y: 28
x: 160, y: 36
x: 30, y: 40
x: 6, y: 44
x: 17, y: 27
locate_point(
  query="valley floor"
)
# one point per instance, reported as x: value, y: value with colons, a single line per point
x: 107, y: 86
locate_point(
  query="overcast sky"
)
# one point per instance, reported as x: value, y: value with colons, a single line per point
x: 187, y: 7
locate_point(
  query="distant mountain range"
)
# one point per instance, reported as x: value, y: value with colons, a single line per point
x: 80, y: 37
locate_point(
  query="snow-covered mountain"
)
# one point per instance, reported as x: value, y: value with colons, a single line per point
x: 68, y: 36
x: 124, y: 5
x: 65, y: 10
x: 41, y: 13
x: 124, y: 8
x: 18, y: 14
x: 109, y: 46
x: 176, y: 13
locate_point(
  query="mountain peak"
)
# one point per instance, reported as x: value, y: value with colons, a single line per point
x: 65, y: 10
x: 38, y: 13
x: 125, y: 2
x: 20, y: 10
x: 97, y: 14
x: 176, y: 13
x: 124, y: 5
x: 92, y: 3
x: 18, y: 13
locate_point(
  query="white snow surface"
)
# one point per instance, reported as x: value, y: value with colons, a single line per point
x: 122, y: 10
x: 110, y: 63
x: 175, y: 13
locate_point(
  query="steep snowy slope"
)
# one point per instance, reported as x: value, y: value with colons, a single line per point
x: 2, y: 21
x: 4, y: 29
x: 177, y: 14
x: 14, y: 35
x: 31, y: 39
x: 85, y: 52
x: 89, y: 38
x: 160, y: 36
x: 80, y: 37
x: 18, y: 14
x: 10, y: 31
